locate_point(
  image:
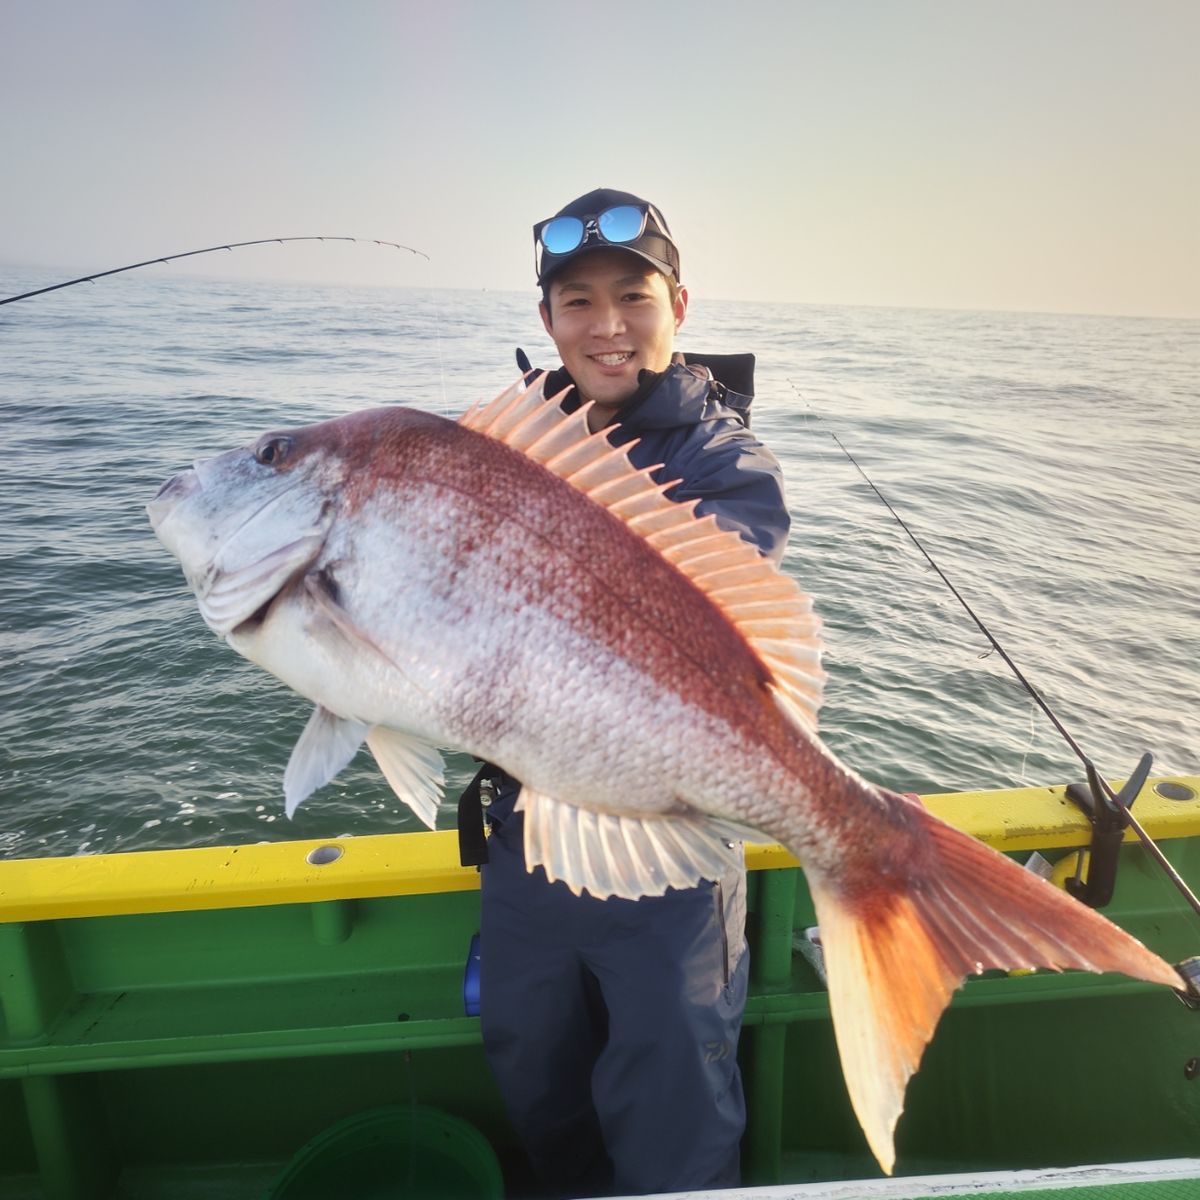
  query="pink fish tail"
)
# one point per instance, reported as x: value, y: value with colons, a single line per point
x: 901, y: 936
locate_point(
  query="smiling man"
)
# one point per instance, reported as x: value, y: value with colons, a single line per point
x: 612, y: 316
x: 612, y: 1025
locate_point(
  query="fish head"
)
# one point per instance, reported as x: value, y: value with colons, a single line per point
x: 248, y: 523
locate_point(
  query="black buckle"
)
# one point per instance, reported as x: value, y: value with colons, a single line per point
x: 1189, y: 972
x: 472, y: 838
x: 1108, y: 831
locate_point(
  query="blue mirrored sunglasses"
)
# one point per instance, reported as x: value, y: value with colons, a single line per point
x: 619, y: 225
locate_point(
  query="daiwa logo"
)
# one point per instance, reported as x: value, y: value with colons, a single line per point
x: 717, y: 1051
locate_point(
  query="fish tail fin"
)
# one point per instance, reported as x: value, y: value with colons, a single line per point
x: 899, y: 944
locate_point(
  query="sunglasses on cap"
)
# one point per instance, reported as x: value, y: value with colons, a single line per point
x: 620, y: 225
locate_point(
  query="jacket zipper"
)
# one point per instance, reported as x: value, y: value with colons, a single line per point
x: 724, y: 930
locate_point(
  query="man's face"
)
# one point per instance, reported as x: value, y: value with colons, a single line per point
x: 611, y: 316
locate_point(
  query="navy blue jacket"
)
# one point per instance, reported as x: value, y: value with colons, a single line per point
x: 696, y: 429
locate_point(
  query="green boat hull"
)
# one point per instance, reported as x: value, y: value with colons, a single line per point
x: 197, y: 1050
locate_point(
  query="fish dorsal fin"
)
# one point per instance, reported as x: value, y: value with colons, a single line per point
x: 764, y: 605
x: 607, y: 854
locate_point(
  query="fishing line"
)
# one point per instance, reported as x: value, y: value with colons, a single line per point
x: 1029, y: 744
x: 441, y: 358
x: 207, y: 250
x: 1129, y: 819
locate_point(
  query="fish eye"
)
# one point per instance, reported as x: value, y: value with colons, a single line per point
x: 272, y: 451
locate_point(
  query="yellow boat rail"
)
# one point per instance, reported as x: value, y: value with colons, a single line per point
x: 414, y: 863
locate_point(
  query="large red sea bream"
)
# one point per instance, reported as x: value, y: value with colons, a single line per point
x: 511, y: 586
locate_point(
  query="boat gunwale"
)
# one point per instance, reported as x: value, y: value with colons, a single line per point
x: 397, y: 864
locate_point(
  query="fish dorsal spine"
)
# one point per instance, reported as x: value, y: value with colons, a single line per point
x: 767, y: 608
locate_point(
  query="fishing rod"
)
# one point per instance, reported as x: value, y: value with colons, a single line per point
x: 207, y: 250
x: 1114, y: 805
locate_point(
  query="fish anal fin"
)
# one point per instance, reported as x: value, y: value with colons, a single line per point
x: 765, y: 606
x: 413, y: 768
x: 610, y: 854
x: 896, y: 950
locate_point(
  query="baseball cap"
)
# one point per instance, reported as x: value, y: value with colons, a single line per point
x: 605, y: 219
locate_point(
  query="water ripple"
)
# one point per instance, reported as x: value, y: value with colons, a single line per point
x: 1048, y: 462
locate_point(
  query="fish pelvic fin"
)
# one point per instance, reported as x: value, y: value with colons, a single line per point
x: 610, y: 854
x: 896, y: 952
x: 766, y: 607
x: 413, y: 769
x: 327, y: 744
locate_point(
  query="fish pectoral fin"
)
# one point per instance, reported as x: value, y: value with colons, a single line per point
x: 354, y: 633
x: 895, y: 953
x: 413, y: 768
x: 327, y: 744
x: 611, y: 854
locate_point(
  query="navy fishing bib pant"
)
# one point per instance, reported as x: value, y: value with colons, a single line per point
x: 611, y: 1026
x: 614, y: 987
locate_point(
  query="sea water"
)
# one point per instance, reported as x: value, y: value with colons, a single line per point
x: 1049, y: 464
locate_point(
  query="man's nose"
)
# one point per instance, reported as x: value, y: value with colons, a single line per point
x: 606, y: 320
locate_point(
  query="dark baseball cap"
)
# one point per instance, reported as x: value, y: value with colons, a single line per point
x: 605, y: 219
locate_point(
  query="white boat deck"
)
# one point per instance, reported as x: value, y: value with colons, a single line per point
x: 1181, y: 1171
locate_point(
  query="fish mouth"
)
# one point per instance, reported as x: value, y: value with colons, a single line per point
x: 172, y: 493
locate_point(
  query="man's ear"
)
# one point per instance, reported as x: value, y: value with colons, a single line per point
x: 681, y: 303
x: 544, y: 309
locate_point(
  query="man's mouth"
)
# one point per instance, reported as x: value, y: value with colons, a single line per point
x: 612, y: 360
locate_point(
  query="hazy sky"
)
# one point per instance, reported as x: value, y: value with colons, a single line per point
x: 1011, y: 154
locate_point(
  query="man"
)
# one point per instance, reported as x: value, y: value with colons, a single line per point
x: 611, y: 1025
